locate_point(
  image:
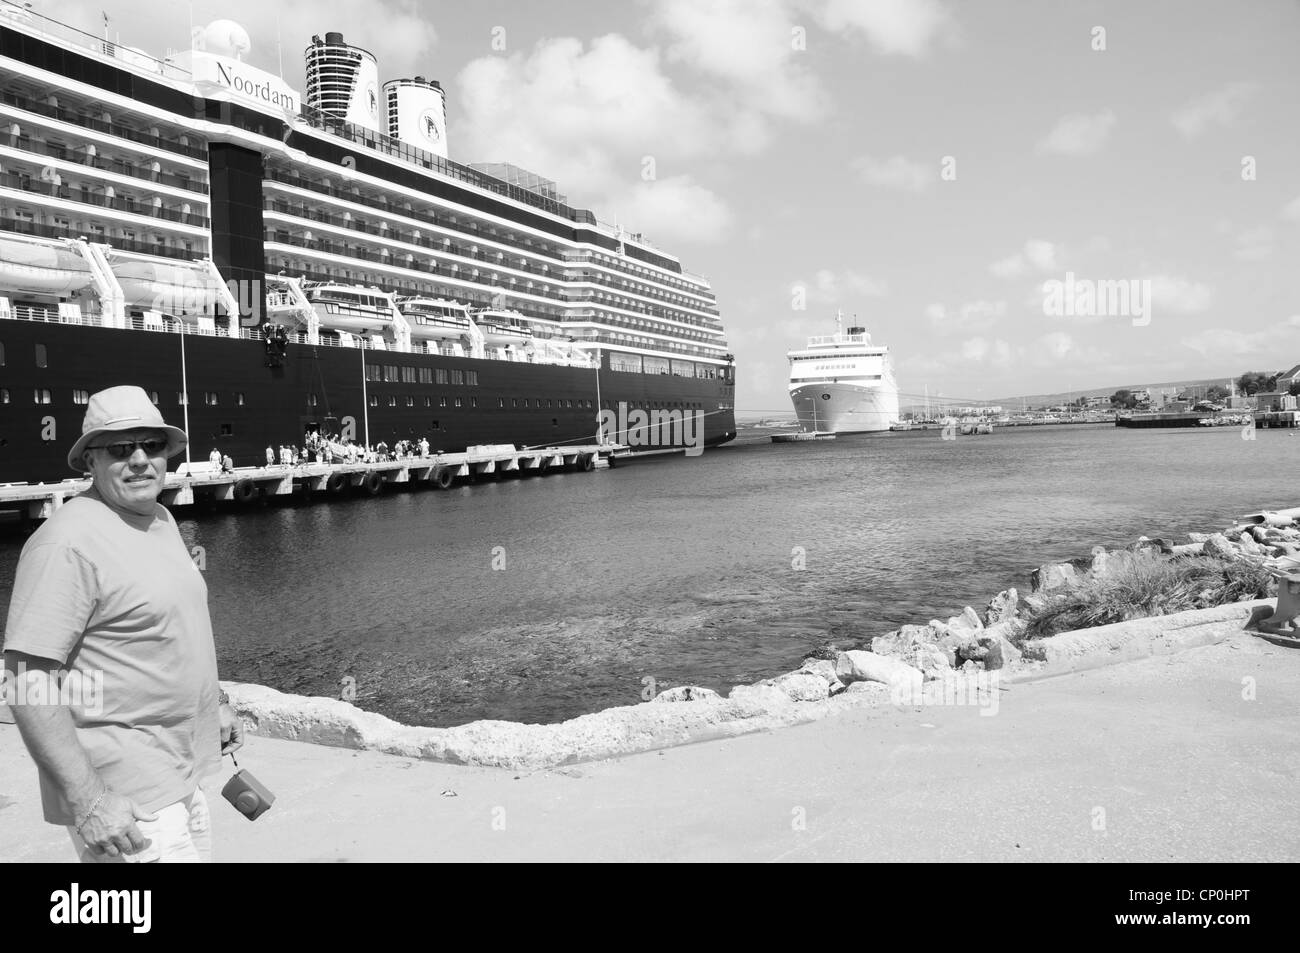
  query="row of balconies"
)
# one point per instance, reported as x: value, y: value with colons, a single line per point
x: 527, y: 243
x: 25, y: 223
x: 88, y: 156
x: 89, y: 119
x: 106, y: 197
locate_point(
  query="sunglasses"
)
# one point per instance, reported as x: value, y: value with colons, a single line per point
x: 152, y: 446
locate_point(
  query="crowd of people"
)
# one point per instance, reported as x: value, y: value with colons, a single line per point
x: 330, y: 448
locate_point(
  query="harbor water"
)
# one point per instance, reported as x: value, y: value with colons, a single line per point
x: 543, y: 598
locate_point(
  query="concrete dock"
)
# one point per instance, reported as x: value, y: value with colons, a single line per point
x: 202, y: 482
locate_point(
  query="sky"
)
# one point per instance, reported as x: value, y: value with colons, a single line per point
x: 956, y: 177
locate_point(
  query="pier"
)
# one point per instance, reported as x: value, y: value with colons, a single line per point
x: 200, y: 482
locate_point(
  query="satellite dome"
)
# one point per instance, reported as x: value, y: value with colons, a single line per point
x: 225, y: 38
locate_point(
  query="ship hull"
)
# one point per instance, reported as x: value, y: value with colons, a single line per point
x: 317, y: 387
x: 844, y: 408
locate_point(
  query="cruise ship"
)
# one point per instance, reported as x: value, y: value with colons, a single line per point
x: 267, y: 264
x: 842, y: 383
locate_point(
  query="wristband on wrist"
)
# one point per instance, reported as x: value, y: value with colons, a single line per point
x: 93, y: 804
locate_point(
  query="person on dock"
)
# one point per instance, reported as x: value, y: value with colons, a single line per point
x: 270, y: 455
x: 109, y: 621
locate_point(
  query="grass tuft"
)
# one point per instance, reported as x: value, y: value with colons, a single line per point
x: 1143, y: 584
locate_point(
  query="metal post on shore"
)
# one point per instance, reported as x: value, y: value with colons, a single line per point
x: 365, y: 399
x: 599, y: 406
x: 185, y: 395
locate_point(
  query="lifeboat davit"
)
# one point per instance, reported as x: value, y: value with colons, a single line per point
x: 42, y: 269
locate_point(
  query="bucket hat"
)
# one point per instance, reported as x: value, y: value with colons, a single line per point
x: 122, y: 408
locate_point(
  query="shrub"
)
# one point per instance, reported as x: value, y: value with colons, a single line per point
x: 1145, y: 584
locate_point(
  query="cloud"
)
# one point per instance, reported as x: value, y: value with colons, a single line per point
x: 904, y: 27
x: 1253, y: 244
x: 1229, y: 342
x: 896, y: 172
x: 1178, y: 295
x: 1036, y: 255
x: 970, y: 316
x: 676, y: 210
x: 746, y: 44
x: 841, y: 288
x: 1078, y: 135
x: 1047, y: 352
x: 1217, y: 108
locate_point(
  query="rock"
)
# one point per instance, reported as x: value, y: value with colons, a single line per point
x: 933, y: 661
x: 879, y: 689
x: 1218, y: 545
x: 1260, y: 533
x: 685, y: 693
x: 968, y: 621
x: 1198, y: 537
x: 802, y: 686
x: 1099, y: 560
x: 1012, y: 632
x: 763, y: 695
x: 1002, y: 607
x: 970, y: 665
x: 861, y: 666
x: 1157, y: 544
x: 1248, y: 545
x: 826, y: 671
x: 903, y: 642
x: 1052, y: 576
x: 827, y: 653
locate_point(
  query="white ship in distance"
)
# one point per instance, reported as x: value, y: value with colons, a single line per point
x: 842, y: 383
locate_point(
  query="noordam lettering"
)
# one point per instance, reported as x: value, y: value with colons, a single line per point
x: 262, y: 91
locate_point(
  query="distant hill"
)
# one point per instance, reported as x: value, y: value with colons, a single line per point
x: 1061, y: 397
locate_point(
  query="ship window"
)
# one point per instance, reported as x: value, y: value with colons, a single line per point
x: 471, y: 378
x: 2, y: 353
x: 408, y: 375
x: 473, y: 401
x: 458, y: 377
x: 373, y: 372
x: 80, y: 397
x: 210, y: 398
x: 311, y: 399
x: 374, y: 400
x: 410, y: 401
x: 41, y: 396
x: 441, y: 375
x: 392, y: 400
x: 514, y: 401
x: 4, y: 395
x: 442, y: 401
x: 153, y: 396
x: 390, y: 373
x: 525, y: 401
x: 42, y: 359
x: 239, y: 399
x: 428, y: 402
x: 457, y: 401
x: 435, y: 425
x: 180, y: 398
x: 501, y: 402
x: 426, y: 375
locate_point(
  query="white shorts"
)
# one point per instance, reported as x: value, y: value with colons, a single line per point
x: 182, y: 834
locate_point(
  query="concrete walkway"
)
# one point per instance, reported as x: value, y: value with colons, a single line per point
x: 1189, y: 757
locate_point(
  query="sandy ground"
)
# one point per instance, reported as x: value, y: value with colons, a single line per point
x: 1191, y: 757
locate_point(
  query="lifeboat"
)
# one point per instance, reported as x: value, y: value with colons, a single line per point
x: 173, y: 289
x: 42, y: 269
x: 503, y: 327
x: 350, y: 308
x: 435, y: 319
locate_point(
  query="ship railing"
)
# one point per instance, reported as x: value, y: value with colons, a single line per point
x: 173, y: 326
x: 829, y: 339
x: 117, y: 166
x: 24, y: 227
x: 24, y: 312
x: 21, y: 15
x: 99, y: 125
x: 27, y: 183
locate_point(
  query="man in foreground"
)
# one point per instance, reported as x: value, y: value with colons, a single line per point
x: 106, y: 595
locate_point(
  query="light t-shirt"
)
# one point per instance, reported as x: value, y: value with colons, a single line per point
x: 119, y: 594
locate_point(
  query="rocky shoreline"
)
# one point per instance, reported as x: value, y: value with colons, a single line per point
x: 967, y: 659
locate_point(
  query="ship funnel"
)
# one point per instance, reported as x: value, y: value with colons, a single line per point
x: 334, y: 39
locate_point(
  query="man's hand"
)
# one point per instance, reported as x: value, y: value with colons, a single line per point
x: 111, y: 829
x: 232, y: 730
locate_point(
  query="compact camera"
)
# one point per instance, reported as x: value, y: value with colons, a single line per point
x: 249, y: 795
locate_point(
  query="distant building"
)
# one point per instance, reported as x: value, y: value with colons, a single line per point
x: 1142, y: 396
x: 1285, y: 381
